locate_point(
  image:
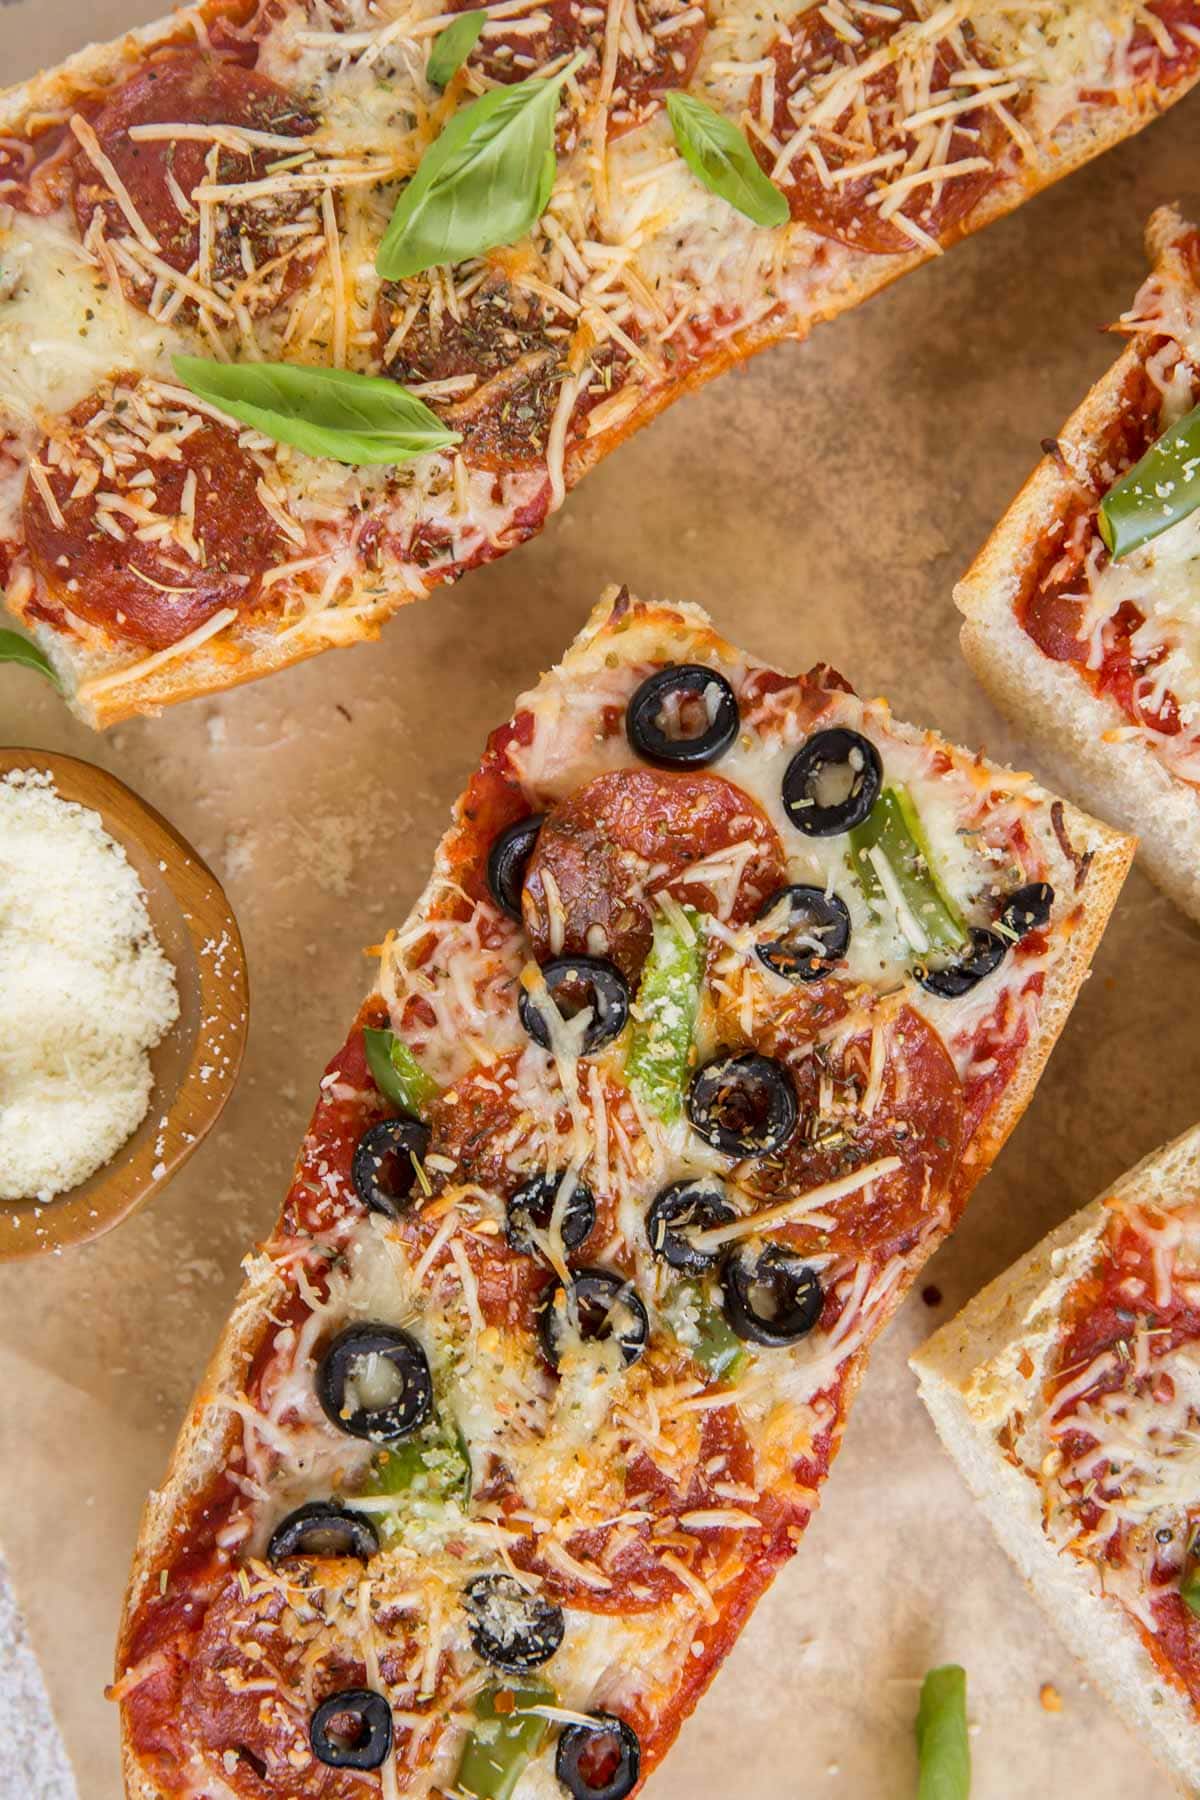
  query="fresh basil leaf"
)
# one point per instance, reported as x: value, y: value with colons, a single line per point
x: 718, y: 155
x: 485, y: 181
x: 452, y: 47
x: 17, y: 649
x: 1158, y: 491
x: 942, y: 1744
x: 327, y: 412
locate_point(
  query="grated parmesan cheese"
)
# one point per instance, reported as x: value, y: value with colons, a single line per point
x: 85, y: 992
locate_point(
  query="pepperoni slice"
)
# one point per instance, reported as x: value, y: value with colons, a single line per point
x: 511, y: 346
x: 258, y: 1749
x: 872, y: 124
x: 191, y: 88
x: 660, y: 45
x: 500, y: 325
x: 475, y: 1124
x: 155, y: 522
x: 603, y: 852
x: 662, y: 54
x: 516, y: 350
x: 917, y: 1116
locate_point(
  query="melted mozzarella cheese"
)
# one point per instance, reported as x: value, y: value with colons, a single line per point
x: 63, y: 330
x: 1162, y: 579
x: 1124, y: 1498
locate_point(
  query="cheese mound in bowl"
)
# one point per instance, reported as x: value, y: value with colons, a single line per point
x: 86, y: 992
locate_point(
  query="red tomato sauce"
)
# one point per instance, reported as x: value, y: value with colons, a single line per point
x: 1100, y: 1314
x: 844, y: 210
x: 1051, y: 605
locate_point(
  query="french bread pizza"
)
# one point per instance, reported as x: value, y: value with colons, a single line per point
x: 726, y: 989
x: 308, y: 306
x: 1067, y: 1394
x: 1081, y: 611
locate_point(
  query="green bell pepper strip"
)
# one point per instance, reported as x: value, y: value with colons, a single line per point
x: 397, y: 1073
x: 1159, y: 491
x: 1189, y: 1589
x: 394, y: 1471
x: 893, y: 829
x: 718, y: 1348
x: 430, y: 1463
x: 497, y: 1751
x: 664, y: 1013
x: 943, y: 1749
x: 703, y: 1330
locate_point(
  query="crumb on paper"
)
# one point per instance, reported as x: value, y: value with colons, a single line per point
x: 1050, y: 1698
x: 322, y: 849
x: 237, y: 854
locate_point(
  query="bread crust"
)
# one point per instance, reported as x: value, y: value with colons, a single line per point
x: 989, y: 1363
x: 245, y: 652
x: 1122, y: 781
x: 641, y: 634
x: 202, y: 1447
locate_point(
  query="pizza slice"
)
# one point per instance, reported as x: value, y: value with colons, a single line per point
x: 725, y: 991
x: 1068, y: 1393
x: 1082, y: 608
x: 307, y: 306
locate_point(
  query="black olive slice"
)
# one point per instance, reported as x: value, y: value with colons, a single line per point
x: 382, y: 1167
x: 575, y: 982
x: 677, y: 1215
x: 743, y: 1104
x: 508, y: 860
x: 323, y: 1529
x: 713, y: 701
x: 954, y: 979
x: 374, y: 1382
x: 821, y: 816
x: 352, y: 1730
x: 598, y: 1304
x: 771, y: 1296
x: 511, y: 1628
x: 813, y: 933
x: 600, y: 1761
x: 533, y: 1206
x: 1028, y: 909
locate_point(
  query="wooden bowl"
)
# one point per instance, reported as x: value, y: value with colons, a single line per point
x: 196, y: 1064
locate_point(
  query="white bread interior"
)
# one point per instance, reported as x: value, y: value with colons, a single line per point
x: 989, y: 1362
x: 1048, y: 700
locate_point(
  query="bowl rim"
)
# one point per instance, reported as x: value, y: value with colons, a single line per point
x: 133, y: 1177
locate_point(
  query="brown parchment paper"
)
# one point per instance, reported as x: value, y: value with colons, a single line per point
x: 821, y: 504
